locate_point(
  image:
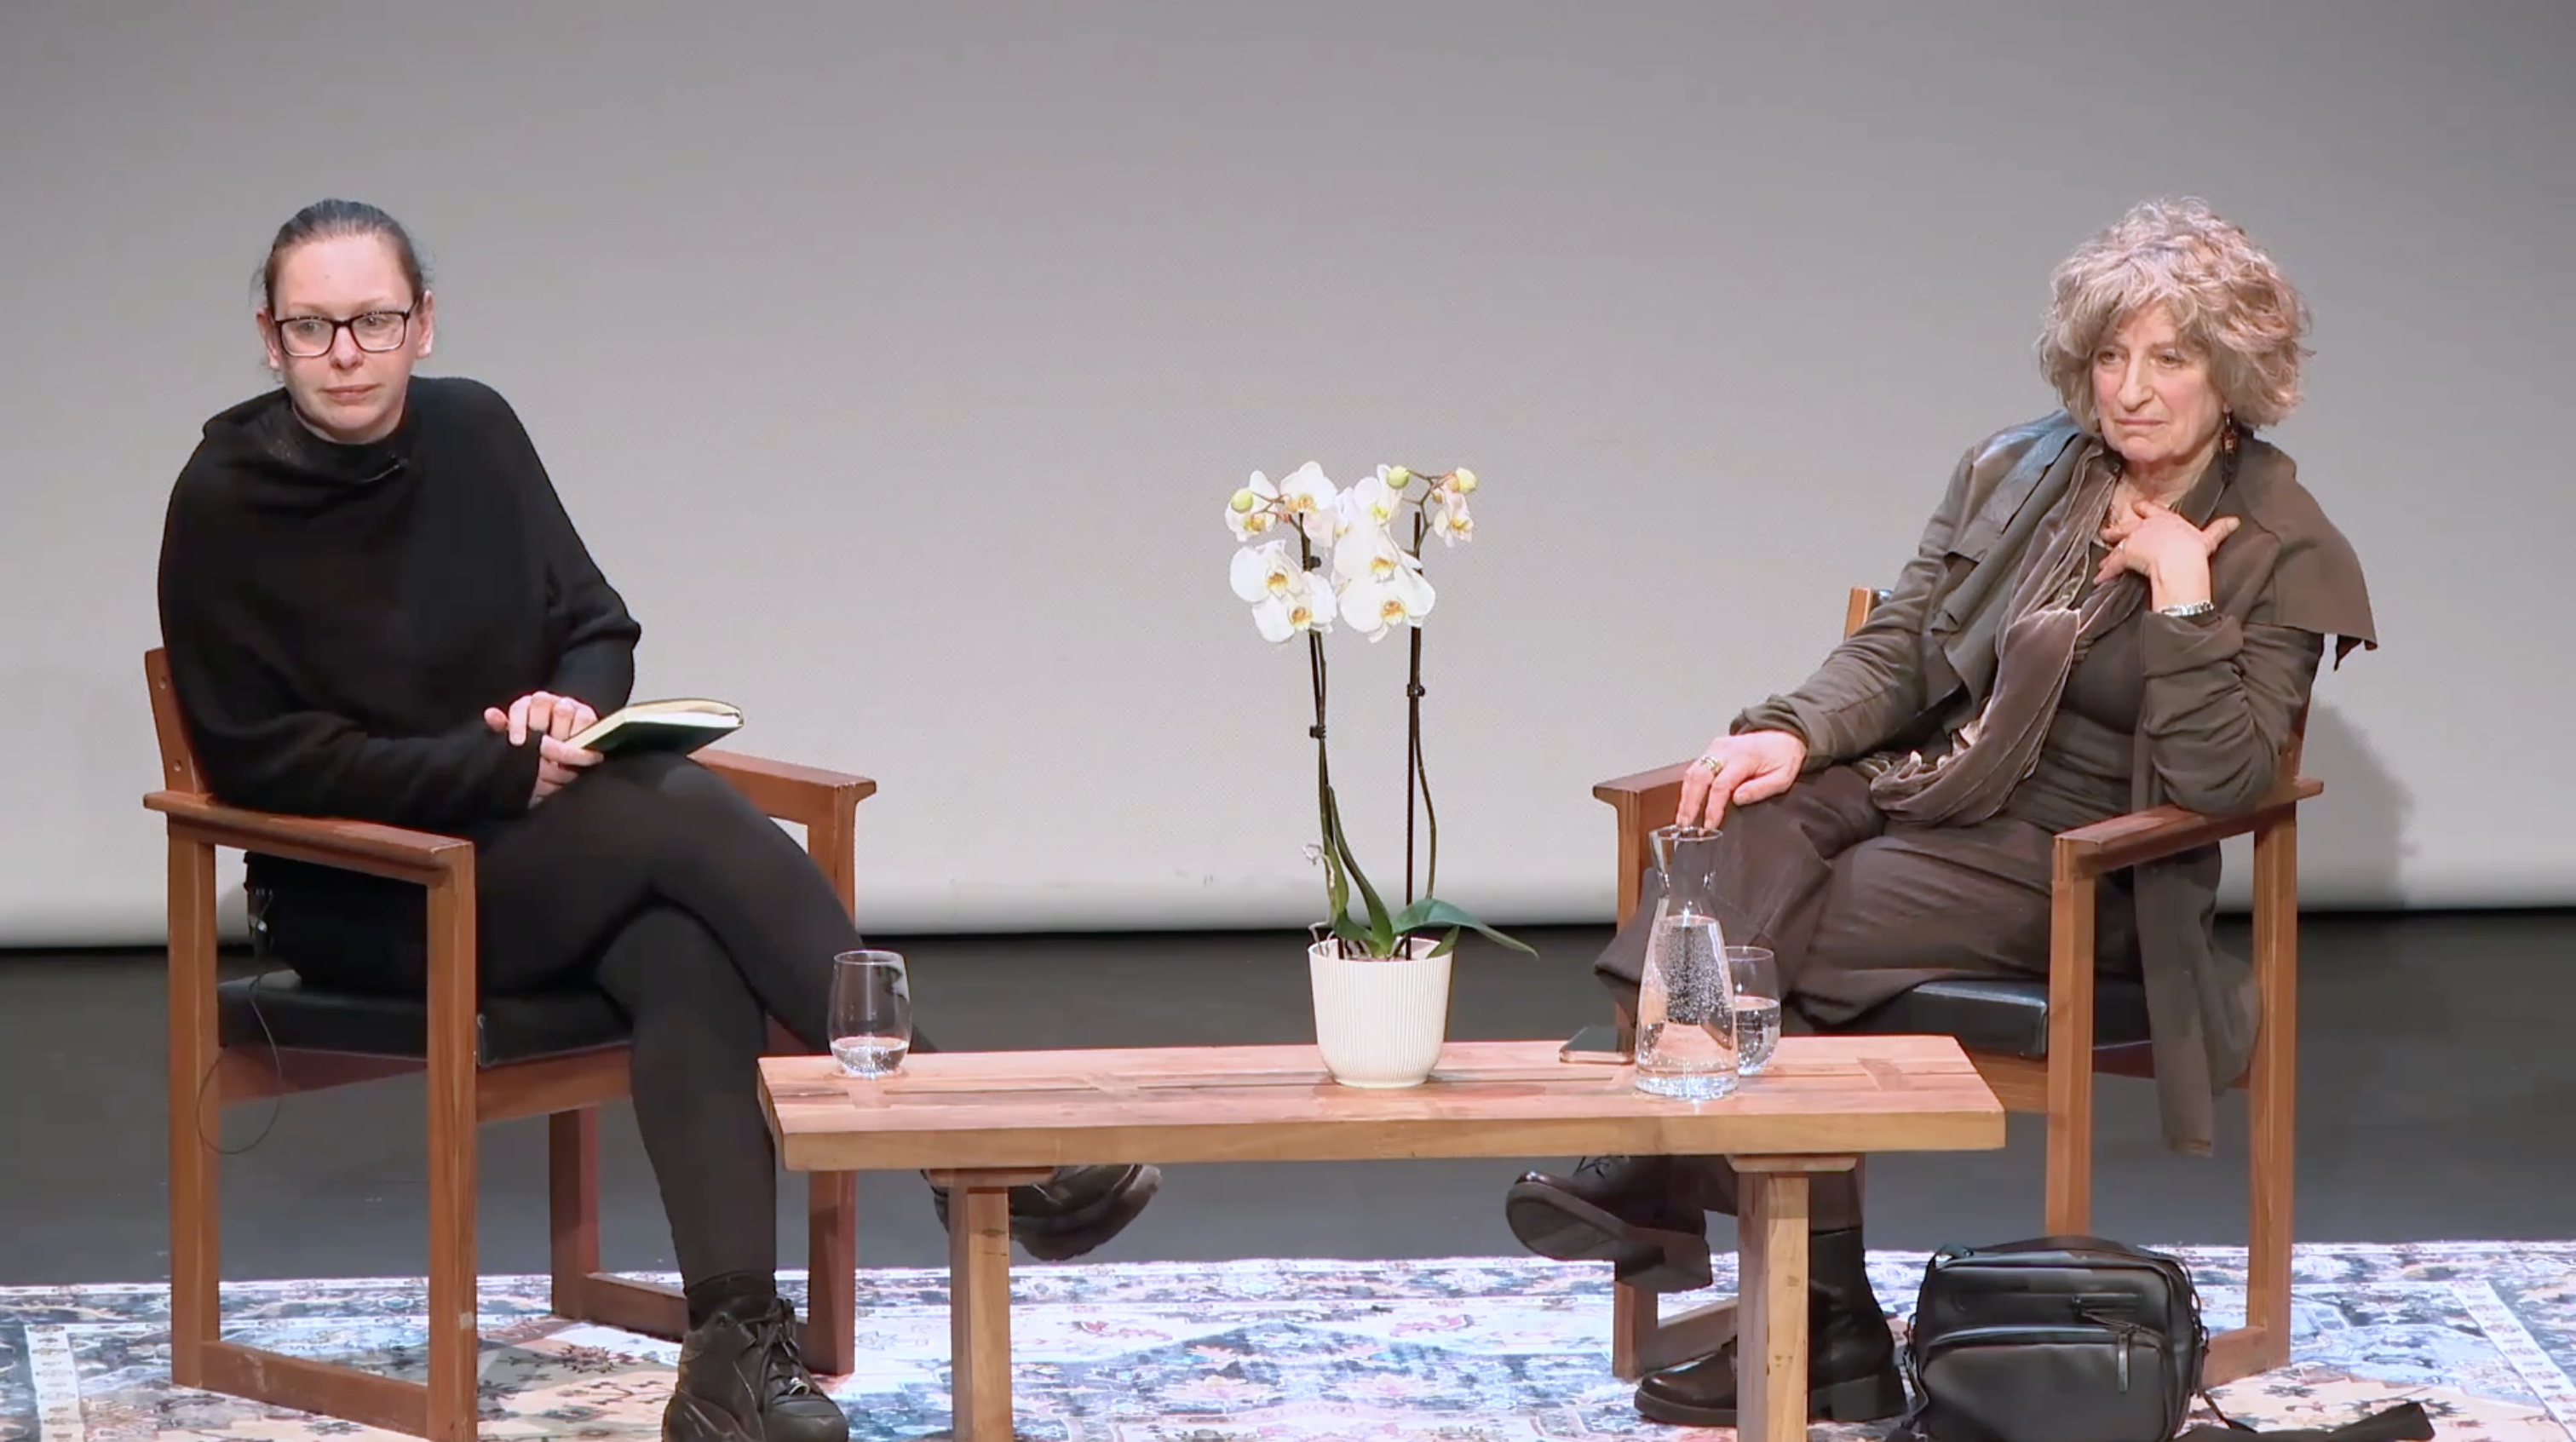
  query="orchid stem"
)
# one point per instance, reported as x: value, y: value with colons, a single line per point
x: 1417, y: 780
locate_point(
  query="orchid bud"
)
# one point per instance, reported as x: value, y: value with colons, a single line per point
x: 1398, y: 477
x: 1244, y: 500
x: 1464, y: 479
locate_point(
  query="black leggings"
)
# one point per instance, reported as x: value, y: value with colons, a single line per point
x: 654, y: 879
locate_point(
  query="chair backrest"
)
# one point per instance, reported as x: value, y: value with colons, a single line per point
x: 1856, y: 611
x: 1864, y: 600
x: 178, y: 759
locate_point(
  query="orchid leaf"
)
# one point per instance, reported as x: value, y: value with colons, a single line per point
x: 1431, y: 911
x: 1351, y: 932
x: 1381, y: 927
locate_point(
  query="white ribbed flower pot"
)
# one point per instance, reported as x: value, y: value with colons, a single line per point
x: 1380, y: 1023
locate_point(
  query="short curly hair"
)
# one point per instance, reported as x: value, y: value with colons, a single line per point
x: 2227, y: 297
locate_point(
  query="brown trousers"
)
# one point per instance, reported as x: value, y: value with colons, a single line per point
x: 1856, y: 911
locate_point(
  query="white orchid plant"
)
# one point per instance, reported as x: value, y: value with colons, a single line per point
x: 1314, y: 558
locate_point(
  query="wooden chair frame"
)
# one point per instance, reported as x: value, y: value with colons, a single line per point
x: 567, y: 1089
x: 2061, y: 1087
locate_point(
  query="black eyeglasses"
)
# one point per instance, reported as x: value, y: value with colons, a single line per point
x: 307, y: 336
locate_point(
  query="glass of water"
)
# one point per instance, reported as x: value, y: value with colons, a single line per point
x: 1757, y: 1007
x: 871, y: 1012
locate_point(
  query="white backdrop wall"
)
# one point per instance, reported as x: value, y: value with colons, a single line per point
x: 897, y: 360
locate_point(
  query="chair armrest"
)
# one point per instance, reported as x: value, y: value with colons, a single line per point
x: 786, y: 791
x: 424, y: 857
x: 443, y: 866
x: 2104, y: 846
x: 2162, y: 831
x: 1642, y: 802
x: 1646, y: 790
x: 825, y: 803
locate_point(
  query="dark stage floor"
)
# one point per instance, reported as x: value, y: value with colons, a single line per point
x: 2436, y: 1095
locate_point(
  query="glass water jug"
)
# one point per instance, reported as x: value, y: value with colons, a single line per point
x: 1686, y: 999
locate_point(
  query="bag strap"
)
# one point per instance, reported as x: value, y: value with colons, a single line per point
x: 2405, y: 1422
x: 1909, y: 1428
x: 2231, y: 1424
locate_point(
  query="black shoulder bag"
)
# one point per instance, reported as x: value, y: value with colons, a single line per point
x: 2075, y: 1339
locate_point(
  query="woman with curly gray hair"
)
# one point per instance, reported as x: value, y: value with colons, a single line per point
x: 2121, y: 604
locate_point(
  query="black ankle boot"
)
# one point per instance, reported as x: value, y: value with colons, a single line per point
x: 1636, y: 1213
x: 741, y: 1380
x: 1851, y: 1356
x: 1075, y: 1211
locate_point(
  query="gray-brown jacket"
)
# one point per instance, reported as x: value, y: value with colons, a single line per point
x: 2222, y: 696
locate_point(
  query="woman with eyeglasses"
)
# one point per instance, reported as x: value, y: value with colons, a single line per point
x: 375, y: 607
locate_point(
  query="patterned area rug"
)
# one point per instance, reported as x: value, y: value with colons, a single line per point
x: 1470, y: 1350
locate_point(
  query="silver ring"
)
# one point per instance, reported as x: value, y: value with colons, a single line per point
x: 1712, y: 763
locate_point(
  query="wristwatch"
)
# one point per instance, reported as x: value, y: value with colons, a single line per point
x: 2188, y: 610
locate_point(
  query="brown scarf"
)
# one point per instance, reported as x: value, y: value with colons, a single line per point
x: 2050, y: 620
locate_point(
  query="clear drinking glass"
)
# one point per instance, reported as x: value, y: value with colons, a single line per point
x: 871, y: 1012
x: 1757, y: 1007
x: 1686, y: 1043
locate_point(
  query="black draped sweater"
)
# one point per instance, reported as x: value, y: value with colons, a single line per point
x: 337, y: 617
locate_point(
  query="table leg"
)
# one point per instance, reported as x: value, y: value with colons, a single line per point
x: 979, y: 1298
x: 1771, y: 1320
x: 979, y: 1308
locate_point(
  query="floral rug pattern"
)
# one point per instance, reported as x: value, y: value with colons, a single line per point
x: 1462, y: 1350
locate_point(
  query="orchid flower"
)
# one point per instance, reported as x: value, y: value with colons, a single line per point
x: 1308, y: 497
x: 1447, y: 511
x: 1374, y: 500
x: 1367, y: 552
x: 1373, y: 606
x: 1285, y: 599
x: 1253, y: 510
x: 1308, y: 607
x: 1446, y: 507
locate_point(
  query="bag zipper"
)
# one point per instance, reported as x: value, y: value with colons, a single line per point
x: 2099, y: 1310
x: 2127, y: 1335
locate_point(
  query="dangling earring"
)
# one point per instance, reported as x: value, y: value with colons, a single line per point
x: 2227, y: 432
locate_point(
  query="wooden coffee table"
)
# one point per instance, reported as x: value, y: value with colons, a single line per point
x: 983, y: 1122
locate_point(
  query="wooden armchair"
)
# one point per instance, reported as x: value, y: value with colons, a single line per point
x: 559, y: 1055
x: 2038, y: 1044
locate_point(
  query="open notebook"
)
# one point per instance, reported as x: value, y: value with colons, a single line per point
x: 679, y: 726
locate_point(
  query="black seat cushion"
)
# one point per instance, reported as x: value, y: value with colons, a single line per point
x: 2010, y: 1017
x: 279, y: 1008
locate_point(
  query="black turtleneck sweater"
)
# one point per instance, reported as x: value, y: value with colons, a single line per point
x: 337, y: 617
